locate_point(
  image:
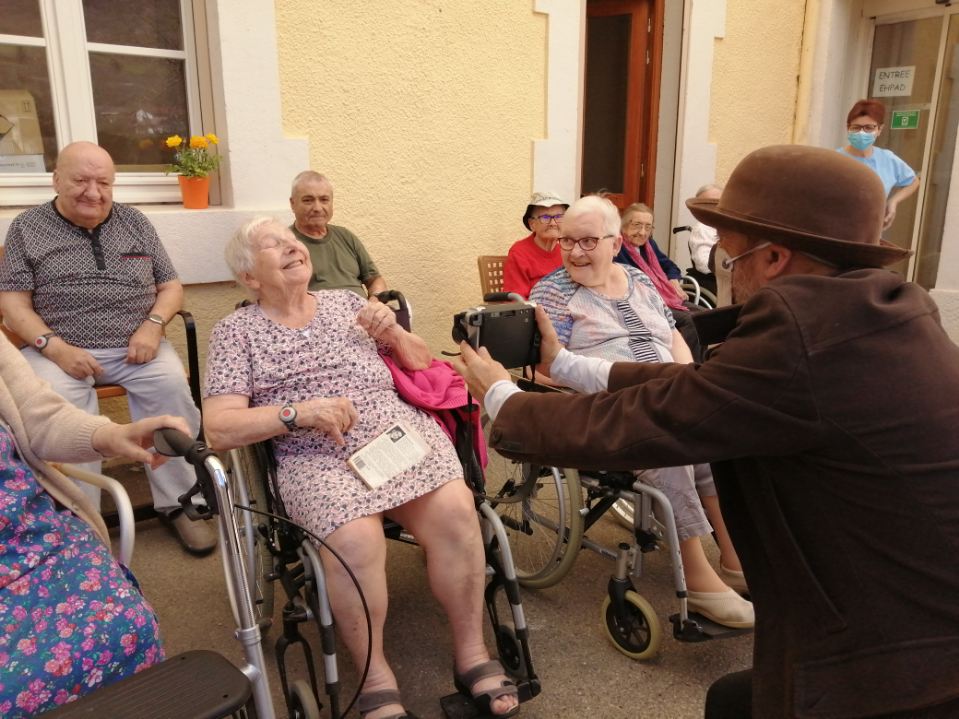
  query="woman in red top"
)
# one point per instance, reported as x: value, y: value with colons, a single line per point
x: 537, y: 254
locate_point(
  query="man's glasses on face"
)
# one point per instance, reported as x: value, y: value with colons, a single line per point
x: 546, y: 219
x: 863, y: 128
x: 585, y: 243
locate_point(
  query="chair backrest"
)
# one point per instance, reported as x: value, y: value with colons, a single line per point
x: 491, y: 272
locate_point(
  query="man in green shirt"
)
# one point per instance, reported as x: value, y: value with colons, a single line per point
x: 340, y: 261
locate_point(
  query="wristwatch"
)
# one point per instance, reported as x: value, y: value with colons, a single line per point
x: 156, y: 319
x: 288, y: 416
x: 43, y: 340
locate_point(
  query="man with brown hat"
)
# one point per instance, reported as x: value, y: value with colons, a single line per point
x: 830, y: 416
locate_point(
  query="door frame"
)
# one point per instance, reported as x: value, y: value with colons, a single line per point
x: 642, y: 119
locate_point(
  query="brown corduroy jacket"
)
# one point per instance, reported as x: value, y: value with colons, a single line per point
x: 831, y: 416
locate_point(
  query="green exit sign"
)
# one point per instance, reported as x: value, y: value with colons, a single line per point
x: 904, y: 120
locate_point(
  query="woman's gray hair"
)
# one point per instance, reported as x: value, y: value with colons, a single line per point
x: 240, y: 254
x: 635, y: 209
x: 599, y: 205
x: 706, y: 188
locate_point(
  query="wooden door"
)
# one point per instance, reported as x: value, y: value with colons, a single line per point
x: 623, y: 67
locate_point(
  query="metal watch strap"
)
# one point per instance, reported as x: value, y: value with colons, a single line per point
x: 156, y: 319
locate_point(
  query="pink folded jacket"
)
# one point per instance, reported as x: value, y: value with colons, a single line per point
x: 440, y: 392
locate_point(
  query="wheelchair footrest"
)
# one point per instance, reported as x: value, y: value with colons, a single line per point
x: 193, y: 685
x: 700, y: 629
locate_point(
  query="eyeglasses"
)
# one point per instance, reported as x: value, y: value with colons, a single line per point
x: 647, y: 226
x: 863, y: 128
x: 730, y: 261
x: 546, y: 219
x: 585, y: 243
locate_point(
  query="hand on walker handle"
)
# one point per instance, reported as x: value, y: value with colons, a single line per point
x: 131, y: 440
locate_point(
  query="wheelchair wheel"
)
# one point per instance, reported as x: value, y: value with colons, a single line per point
x: 638, y: 635
x: 249, y: 491
x: 541, y: 510
x: 303, y: 704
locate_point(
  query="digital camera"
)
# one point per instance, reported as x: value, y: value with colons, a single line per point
x: 508, y: 331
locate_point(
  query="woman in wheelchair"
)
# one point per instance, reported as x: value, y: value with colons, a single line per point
x: 304, y: 369
x: 605, y: 309
x: 73, y: 618
x: 641, y: 251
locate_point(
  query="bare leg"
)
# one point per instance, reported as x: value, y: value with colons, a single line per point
x: 727, y: 553
x: 700, y: 575
x: 362, y: 545
x: 445, y: 524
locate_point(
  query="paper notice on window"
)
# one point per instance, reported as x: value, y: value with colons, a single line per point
x: 389, y: 454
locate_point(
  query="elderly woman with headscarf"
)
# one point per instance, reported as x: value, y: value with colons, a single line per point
x: 305, y: 370
x: 601, y: 308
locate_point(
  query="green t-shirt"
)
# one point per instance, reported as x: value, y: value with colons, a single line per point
x: 340, y: 262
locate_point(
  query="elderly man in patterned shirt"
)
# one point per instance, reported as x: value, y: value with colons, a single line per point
x: 87, y: 284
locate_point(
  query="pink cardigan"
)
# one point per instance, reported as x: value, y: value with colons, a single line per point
x: 440, y: 392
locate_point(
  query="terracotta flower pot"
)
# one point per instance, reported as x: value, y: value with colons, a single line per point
x: 195, y: 191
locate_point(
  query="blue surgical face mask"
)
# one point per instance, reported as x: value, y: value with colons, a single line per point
x: 861, y: 140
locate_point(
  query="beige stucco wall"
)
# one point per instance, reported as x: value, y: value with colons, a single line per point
x: 423, y: 113
x: 755, y: 72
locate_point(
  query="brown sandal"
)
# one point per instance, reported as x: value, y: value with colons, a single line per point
x: 371, y: 701
x: 484, y: 700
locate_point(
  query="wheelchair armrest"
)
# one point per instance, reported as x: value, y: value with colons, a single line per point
x: 193, y: 358
x: 120, y: 499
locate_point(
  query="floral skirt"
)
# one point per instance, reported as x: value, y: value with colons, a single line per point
x: 71, y: 618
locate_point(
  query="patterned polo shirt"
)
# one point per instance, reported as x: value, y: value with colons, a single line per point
x: 637, y: 327
x: 93, y: 287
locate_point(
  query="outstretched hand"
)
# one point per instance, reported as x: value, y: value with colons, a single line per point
x: 478, y: 369
x: 133, y: 440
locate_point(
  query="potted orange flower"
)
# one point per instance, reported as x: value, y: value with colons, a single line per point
x: 193, y: 161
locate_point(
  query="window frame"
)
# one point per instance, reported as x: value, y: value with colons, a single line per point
x: 68, y: 65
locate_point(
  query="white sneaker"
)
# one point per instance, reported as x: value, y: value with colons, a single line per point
x: 726, y: 608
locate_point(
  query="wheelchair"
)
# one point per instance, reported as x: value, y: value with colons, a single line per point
x: 700, y: 288
x: 547, y: 512
x: 273, y: 552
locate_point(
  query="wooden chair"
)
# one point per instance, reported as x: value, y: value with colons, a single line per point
x: 491, y: 272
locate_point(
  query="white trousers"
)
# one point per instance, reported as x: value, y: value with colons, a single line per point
x: 157, y: 387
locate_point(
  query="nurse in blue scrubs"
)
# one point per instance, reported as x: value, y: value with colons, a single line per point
x: 864, y: 124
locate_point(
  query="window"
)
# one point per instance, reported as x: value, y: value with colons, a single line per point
x: 122, y: 73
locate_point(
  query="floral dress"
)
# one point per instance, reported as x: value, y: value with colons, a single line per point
x: 332, y: 356
x: 71, y: 619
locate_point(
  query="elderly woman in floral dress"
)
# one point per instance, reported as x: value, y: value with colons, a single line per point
x: 72, y: 619
x: 305, y: 370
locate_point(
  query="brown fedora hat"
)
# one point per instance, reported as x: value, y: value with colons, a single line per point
x: 809, y: 199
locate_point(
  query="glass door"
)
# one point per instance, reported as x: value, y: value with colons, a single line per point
x: 913, y: 72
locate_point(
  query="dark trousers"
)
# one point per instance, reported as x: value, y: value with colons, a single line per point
x: 731, y: 697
